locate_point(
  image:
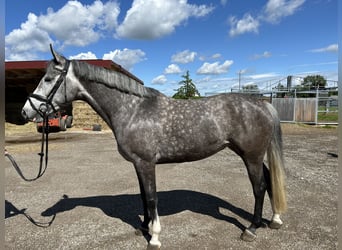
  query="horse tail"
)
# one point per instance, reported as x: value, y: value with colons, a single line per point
x: 276, y: 165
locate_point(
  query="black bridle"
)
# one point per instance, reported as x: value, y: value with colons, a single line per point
x: 47, y: 101
x: 42, y: 110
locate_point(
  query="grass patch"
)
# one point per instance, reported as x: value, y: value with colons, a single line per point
x: 327, y: 117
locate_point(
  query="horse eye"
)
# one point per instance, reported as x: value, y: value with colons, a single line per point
x: 47, y: 79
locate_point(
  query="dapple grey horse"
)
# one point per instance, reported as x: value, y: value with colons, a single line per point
x: 151, y: 128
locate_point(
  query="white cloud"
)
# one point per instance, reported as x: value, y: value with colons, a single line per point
x: 330, y: 48
x: 151, y: 19
x: 263, y: 76
x: 243, y: 71
x: 214, y: 68
x: 80, y: 56
x: 17, y: 47
x: 223, y: 2
x: 266, y: 54
x: 172, y: 69
x: 245, y: 25
x: 185, y: 56
x: 74, y: 24
x: 205, y: 58
x: 272, y: 12
x: 78, y: 24
x: 215, y: 56
x: 126, y: 57
x: 275, y: 10
x: 159, y: 79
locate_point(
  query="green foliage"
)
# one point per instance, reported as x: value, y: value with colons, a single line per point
x: 251, y: 88
x: 280, y: 87
x: 311, y: 82
x: 187, y: 89
x: 314, y: 82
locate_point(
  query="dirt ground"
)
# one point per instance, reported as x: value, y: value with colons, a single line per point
x: 89, y: 196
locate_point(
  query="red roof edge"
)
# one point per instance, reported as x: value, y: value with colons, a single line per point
x: 109, y: 64
x: 26, y: 65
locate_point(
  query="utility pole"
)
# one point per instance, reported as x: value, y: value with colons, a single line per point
x: 239, y: 80
x: 240, y: 72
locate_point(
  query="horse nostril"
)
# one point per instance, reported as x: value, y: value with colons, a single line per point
x: 23, y: 113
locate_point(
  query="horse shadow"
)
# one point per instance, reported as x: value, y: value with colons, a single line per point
x: 11, y: 210
x: 128, y: 207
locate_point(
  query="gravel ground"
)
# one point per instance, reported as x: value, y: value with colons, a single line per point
x: 90, y: 196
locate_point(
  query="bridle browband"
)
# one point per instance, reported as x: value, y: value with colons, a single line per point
x: 42, y: 110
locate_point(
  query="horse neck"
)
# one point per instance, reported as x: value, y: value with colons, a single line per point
x: 114, y: 106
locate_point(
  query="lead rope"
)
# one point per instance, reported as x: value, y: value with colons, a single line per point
x: 45, y: 136
x: 45, y: 140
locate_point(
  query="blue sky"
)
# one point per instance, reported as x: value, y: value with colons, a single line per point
x: 158, y: 41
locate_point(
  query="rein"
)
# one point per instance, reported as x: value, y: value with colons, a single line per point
x: 42, y: 169
x: 42, y: 111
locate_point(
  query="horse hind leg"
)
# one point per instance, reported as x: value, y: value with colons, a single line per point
x: 256, y: 176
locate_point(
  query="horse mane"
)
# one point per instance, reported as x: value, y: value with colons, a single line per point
x: 111, y: 79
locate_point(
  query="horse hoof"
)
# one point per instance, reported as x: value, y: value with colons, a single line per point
x: 247, y: 235
x: 275, y: 225
x: 152, y: 247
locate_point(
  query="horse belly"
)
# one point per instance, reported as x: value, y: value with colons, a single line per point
x: 191, y: 139
x: 182, y: 151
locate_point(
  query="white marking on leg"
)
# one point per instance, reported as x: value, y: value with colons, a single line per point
x: 276, y: 218
x: 155, y: 230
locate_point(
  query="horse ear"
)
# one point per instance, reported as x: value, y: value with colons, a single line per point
x: 59, y: 59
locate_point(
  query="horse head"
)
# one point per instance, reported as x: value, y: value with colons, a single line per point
x: 52, y: 92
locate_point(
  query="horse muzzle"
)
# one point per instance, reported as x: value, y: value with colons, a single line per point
x: 29, y: 114
x: 33, y: 111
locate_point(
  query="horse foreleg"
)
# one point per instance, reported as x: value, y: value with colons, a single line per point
x: 256, y: 176
x: 147, y: 182
x: 143, y: 229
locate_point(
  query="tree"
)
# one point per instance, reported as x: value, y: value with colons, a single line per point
x: 251, y: 89
x: 280, y: 90
x: 311, y: 82
x: 314, y: 82
x: 188, y: 88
